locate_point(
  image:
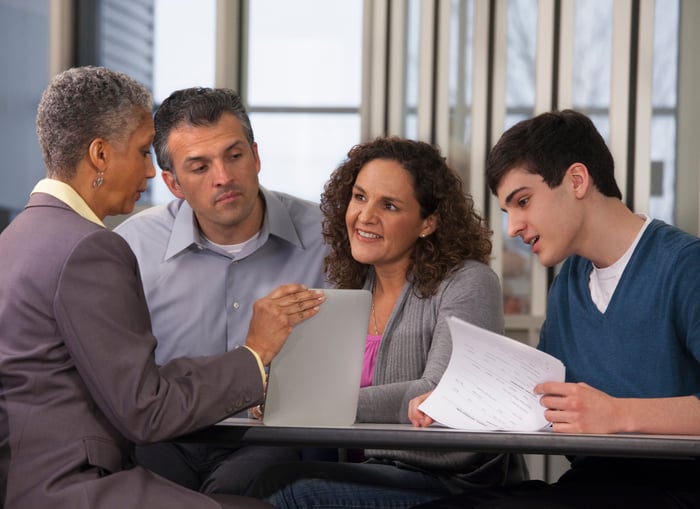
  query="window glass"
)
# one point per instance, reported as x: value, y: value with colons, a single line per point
x: 664, y: 111
x: 593, y: 61
x: 461, y: 71
x: 184, y: 48
x: 184, y: 36
x: 520, y: 55
x: 520, y: 104
x: 412, y: 68
x: 299, y: 151
x: 303, y: 89
x: 305, y: 53
x: 24, y: 57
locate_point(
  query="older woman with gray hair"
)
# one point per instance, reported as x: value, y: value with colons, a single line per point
x: 79, y: 385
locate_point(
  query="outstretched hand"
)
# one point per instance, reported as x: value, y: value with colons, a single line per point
x: 275, y: 315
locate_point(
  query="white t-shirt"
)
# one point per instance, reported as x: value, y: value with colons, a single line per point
x: 603, y: 282
x: 232, y: 249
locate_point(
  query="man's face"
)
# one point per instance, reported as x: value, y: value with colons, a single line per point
x: 546, y: 219
x: 216, y: 171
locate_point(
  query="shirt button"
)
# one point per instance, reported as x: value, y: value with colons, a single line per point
x: 236, y: 305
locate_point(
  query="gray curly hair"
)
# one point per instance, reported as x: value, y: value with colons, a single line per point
x: 84, y: 103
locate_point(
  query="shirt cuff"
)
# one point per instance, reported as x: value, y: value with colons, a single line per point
x: 259, y: 361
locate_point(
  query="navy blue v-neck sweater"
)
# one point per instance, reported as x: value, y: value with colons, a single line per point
x: 647, y: 343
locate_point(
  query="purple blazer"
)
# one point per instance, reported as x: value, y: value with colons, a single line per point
x: 78, y: 382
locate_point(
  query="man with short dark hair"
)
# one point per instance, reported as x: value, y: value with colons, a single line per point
x: 206, y: 256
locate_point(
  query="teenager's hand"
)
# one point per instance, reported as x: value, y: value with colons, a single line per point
x: 580, y: 408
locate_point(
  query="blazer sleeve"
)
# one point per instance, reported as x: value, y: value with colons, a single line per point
x: 102, y: 313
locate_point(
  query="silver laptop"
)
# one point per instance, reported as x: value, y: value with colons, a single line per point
x: 315, y: 379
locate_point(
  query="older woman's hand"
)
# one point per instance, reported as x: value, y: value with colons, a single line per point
x: 274, y: 317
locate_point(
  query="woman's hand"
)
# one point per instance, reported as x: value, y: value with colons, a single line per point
x: 275, y: 315
x: 418, y: 418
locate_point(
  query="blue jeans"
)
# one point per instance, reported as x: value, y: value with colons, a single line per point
x: 346, y: 485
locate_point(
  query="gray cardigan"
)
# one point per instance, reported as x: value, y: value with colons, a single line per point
x: 413, y: 355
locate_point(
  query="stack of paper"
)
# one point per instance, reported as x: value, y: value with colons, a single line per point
x: 489, y: 382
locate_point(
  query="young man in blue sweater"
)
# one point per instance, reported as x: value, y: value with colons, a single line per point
x: 623, y: 314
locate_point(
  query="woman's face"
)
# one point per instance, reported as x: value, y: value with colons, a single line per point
x: 128, y: 169
x: 383, y: 216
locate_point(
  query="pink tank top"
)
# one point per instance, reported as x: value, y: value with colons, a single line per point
x: 371, y: 349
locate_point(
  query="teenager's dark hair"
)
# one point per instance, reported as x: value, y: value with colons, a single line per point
x: 548, y: 145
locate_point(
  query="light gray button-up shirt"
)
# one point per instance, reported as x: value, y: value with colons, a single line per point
x: 201, y: 298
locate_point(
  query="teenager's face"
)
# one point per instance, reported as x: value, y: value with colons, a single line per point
x: 547, y: 219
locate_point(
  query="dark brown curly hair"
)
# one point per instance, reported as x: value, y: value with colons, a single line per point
x: 461, y: 233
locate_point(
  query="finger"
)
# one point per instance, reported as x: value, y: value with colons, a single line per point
x: 300, y: 316
x: 423, y: 421
x: 299, y: 300
x: 548, y: 388
x: 301, y: 306
x: 286, y: 290
x: 554, y: 402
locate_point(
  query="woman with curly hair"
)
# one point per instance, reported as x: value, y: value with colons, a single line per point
x: 399, y: 224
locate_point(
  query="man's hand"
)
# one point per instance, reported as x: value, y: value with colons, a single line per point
x: 274, y: 317
x: 418, y: 418
x: 579, y: 408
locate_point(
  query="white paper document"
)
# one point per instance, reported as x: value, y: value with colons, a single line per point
x: 489, y: 381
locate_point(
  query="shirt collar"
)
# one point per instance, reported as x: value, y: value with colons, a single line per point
x: 69, y: 196
x: 276, y: 221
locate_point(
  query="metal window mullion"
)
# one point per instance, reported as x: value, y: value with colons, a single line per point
x: 619, y: 93
x: 544, y: 101
x: 442, y: 78
x: 544, y: 56
x: 459, y: 145
x: 687, y: 213
x: 61, y: 26
x: 489, y: 75
x: 480, y: 114
x: 374, y: 64
x: 426, y: 62
x: 396, y: 92
x: 566, y: 55
x: 642, y: 125
x: 232, y: 32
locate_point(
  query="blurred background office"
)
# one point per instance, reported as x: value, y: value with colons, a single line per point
x: 319, y: 76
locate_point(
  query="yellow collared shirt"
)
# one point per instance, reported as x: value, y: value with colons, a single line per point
x: 69, y: 196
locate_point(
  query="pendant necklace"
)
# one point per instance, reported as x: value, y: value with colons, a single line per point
x: 374, y: 319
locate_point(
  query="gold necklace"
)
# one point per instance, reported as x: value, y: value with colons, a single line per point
x: 374, y: 320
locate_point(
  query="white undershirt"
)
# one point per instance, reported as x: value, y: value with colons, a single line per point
x: 232, y: 249
x: 603, y: 282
